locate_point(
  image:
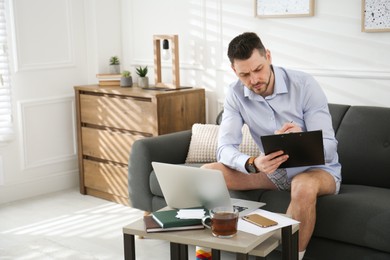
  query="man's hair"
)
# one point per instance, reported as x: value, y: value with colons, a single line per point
x: 242, y: 46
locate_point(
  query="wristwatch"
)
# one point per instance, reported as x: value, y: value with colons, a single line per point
x: 250, y: 165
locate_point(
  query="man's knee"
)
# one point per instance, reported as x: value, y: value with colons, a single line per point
x: 312, y: 184
x: 304, y: 188
x: 213, y: 165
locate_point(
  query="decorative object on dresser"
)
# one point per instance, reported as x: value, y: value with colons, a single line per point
x: 109, y: 79
x: 143, y: 80
x: 126, y: 79
x: 111, y: 119
x: 174, y: 40
x: 114, y: 65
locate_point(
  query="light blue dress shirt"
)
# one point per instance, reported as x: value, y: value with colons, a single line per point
x: 297, y: 97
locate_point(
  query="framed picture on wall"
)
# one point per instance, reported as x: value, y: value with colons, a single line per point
x: 283, y: 8
x: 375, y: 16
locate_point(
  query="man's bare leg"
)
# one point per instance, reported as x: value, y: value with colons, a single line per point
x: 305, y: 188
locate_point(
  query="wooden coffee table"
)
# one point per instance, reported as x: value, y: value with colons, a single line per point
x: 243, y: 244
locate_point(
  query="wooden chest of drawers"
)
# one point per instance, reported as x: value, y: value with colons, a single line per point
x: 111, y: 119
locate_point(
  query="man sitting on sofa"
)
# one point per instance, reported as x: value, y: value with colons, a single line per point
x: 274, y: 100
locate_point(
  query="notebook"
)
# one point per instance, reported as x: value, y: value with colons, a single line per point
x: 168, y: 219
x: 303, y: 149
x: 189, y: 187
x: 152, y: 226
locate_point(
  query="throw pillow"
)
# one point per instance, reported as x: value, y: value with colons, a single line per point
x: 203, y: 145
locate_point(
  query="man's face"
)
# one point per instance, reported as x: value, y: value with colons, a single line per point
x: 256, y: 73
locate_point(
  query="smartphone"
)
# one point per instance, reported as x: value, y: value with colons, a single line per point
x: 259, y: 220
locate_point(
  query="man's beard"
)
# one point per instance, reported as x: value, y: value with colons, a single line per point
x: 264, y: 83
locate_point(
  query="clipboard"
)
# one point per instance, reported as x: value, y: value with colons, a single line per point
x: 304, y: 148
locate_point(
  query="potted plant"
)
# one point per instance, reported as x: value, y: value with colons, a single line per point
x: 114, y: 65
x: 143, y: 80
x: 126, y: 79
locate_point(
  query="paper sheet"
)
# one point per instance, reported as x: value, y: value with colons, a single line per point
x: 256, y: 230
x: 190, y: 213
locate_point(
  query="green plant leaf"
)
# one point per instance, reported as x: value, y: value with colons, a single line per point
x: 126, y: 74
x: 114, y: 60
x: 142, y: 71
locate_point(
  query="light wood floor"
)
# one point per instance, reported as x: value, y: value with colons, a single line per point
x: 68, y: 225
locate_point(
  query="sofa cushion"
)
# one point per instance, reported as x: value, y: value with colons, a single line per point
x: 338, y: 112
x: 359, y: 215
x: 364, y: 146
x: 204, y: 139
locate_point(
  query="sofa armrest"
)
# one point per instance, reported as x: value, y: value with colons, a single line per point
x: 168, y: 148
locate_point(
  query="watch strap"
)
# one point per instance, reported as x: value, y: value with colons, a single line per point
x: 250, y: 165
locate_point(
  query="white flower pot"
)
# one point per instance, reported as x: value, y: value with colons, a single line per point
x: 115, y: 69
x: 143, y: 82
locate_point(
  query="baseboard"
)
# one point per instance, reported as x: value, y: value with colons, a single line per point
x: 35, y: 187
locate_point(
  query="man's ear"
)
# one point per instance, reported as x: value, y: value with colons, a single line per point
x: 232, y: 66
x: 268, y: 55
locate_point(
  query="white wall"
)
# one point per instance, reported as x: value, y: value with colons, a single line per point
x: 352, y: 66
x: 55, y: 45
x: 63, y: 43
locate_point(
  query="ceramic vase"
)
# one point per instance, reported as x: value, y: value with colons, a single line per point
x: 126, y: 82
x: 143, y: 82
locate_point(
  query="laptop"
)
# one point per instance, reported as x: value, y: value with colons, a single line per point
x: 190, y: 187
x: 303, y: 148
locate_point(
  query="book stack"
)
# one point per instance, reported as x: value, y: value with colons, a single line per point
x: 167, y: 220
x: 109, y: 79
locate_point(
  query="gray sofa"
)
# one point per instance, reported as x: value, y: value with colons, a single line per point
x: 352, y: 225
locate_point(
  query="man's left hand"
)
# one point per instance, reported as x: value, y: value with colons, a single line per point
x: 289, y: 127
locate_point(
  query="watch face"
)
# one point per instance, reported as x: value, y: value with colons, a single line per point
x: 251, y: 168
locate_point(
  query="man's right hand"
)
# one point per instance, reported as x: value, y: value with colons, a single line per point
x: 270, y: 162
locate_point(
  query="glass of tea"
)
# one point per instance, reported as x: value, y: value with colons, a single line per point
x: 222, y: 221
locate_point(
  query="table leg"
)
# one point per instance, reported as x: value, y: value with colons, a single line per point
x: 129, y: 246
x: 183, y: 252
x: 240, y: 256
x: 215, y: 254
x: 289, y: 244
x: 179, y: 251
x: 295, y: 245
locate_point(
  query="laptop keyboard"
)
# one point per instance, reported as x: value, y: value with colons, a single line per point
x: 239, y: 208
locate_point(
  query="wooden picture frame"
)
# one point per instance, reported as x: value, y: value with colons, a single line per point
x: 283, y: 8
x: 375, y: 16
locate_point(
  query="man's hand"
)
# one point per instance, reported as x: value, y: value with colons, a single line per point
x: 270, y: 162
x: 288, y: 128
